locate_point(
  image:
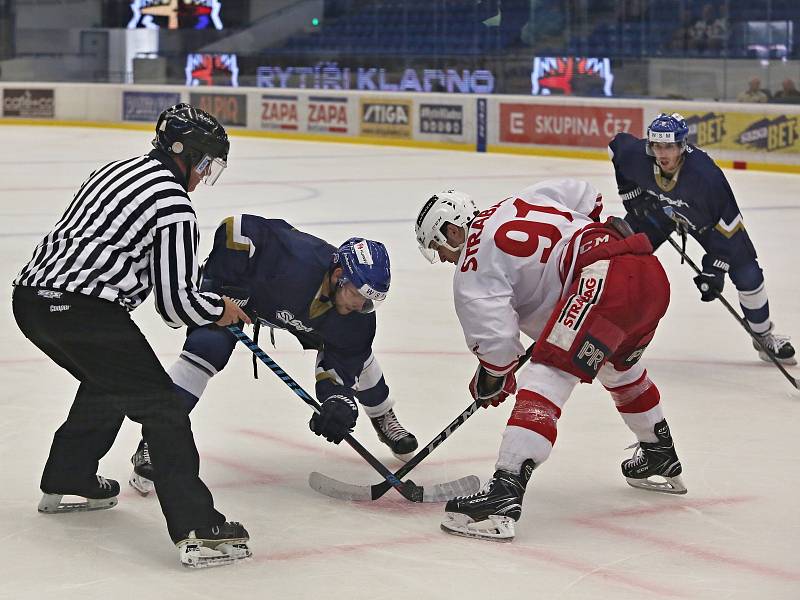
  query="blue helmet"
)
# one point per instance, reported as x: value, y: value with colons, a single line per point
x: 365, y: 264
x: 668, y: 129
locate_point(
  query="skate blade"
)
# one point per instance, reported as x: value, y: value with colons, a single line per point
x: 141, y: 484
x: 194, y: 555
x: 669, y: 485
x: 495, y: 528
x: 52, y: 504
x: 789, y: 362
x: 404, y: 458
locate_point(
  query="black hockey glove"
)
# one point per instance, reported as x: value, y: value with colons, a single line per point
x: 711, y: 281
x: 240, y: 295
x: 490, y: 389
x: 640, y: 203
x: 336, y: 417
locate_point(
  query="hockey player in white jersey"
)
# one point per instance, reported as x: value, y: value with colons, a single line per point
x: 590, y: 293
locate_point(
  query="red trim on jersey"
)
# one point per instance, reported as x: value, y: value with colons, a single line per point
x: 535, y: 412
x: 495, y: 369
x: 598, y: 208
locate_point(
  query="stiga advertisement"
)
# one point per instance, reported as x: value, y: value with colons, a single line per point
x: 756, y: 132
x: 386, y: 118
x: 229, y: 109
x: 28, y: 103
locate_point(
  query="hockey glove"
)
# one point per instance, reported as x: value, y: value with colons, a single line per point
x: 711, y: 281
x: 640, y: 203
x: 491, y: 389
x: 336, y: 417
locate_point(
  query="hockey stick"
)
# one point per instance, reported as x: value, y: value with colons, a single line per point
x: 736, y: 316
x: 408, y: 489
x: 349, y: 491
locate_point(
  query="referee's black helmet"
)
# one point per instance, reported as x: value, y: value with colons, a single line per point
x: 185, y: 131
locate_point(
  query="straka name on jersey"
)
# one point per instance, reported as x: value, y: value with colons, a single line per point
x: 287, y: 317
x: 470, y: 262
x: 279, y: 112
x: 327, y: 114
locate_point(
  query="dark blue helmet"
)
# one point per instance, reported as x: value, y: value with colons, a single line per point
x: 365, y: 264
x: 668, y: 129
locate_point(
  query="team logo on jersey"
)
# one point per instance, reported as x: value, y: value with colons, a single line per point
x: 287, y: 317
x: 579, y: 305
x: 770, y: 134
x: 670, y: 201
x: 568, y: 75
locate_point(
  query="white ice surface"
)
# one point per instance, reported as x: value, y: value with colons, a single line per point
x: 584, y: 533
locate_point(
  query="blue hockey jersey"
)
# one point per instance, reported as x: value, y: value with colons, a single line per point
x: 698, y: 196
x: 285, y: 273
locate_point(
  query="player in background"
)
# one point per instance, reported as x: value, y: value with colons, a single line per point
x: 590, y: 293
x: 324, y: 296
x: 668, y: 184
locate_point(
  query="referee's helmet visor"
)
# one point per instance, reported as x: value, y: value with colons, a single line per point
x: 210, y: 168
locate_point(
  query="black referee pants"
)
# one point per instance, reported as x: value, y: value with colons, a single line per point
x: 120, y: 376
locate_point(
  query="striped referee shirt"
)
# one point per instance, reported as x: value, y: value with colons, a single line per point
x: 130, y: 228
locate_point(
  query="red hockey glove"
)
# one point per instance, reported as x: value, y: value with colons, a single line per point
x: 491, y: 389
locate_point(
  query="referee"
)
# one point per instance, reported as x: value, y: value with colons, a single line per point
x: 130, y: 229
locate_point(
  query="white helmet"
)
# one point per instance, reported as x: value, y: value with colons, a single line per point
x: 449, y: 206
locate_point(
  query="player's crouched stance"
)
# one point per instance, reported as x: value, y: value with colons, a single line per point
x: 591, y: 294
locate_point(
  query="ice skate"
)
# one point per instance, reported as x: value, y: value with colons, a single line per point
x: 214, y: 546
x: 655, y: 459
x: 491, y: 513
x: 390, y: 432
x: 99, y: 493
x: 779, y: 345
x: 142, y: 477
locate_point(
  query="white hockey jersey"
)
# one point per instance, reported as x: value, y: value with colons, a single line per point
x: 515, y: 264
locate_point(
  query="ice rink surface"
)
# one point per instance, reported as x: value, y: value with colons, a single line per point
x: 584, y: 533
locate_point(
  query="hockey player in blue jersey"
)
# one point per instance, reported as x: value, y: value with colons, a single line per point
x: 668, y: 184
x: 324, y: 296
